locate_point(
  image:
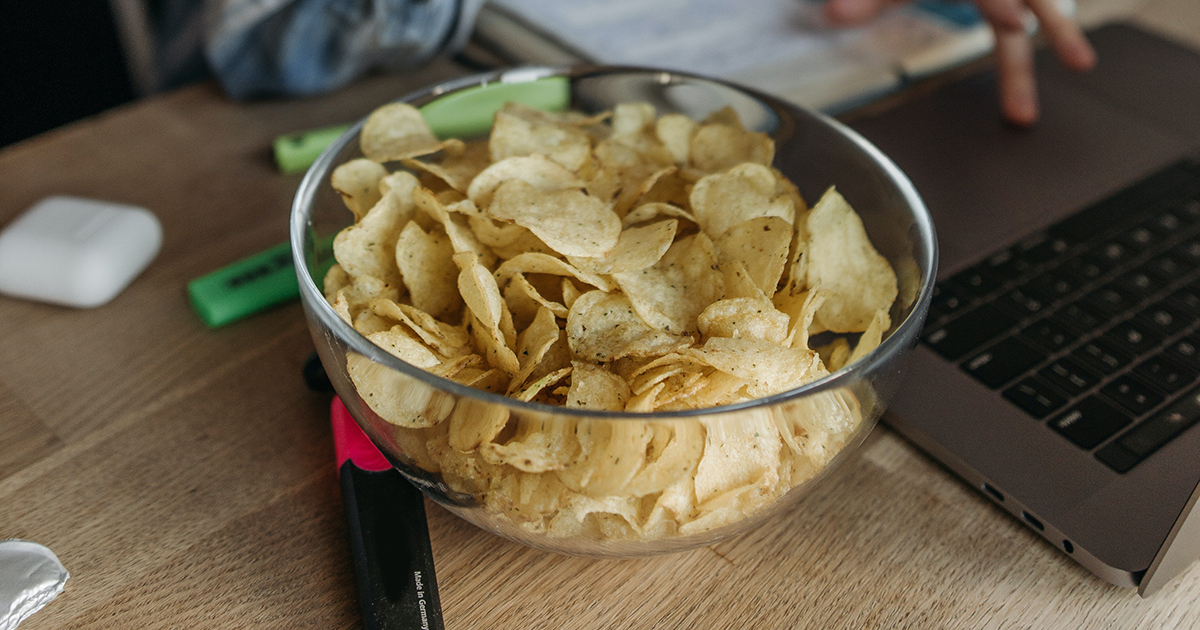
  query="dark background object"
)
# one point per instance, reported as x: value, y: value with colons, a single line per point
x: 60, y: 60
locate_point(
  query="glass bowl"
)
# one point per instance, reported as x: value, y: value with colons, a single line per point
x: 765, y: 454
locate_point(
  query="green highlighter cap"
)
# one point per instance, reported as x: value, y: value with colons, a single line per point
x: 247, y: 286
x: 268, y: 278
x: 295, y: 152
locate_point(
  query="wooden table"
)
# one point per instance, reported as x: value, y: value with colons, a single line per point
x: 186, y: 478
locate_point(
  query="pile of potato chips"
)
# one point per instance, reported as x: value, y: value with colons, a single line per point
x: 617, y: 262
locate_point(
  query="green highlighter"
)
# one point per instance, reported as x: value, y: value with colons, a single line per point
x: 268, y: 278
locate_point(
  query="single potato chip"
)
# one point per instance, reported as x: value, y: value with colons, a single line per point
x: 396, y: 131
x: 520, y: 130
x: 761, y: 245
x: 670, y: 294
x: 535, y: 170
x: 357, y: 181
x: 570, y: 221
x: 856, y: 280
x: 746, y: 191
x: 603, y: 327
x: 424, y: 260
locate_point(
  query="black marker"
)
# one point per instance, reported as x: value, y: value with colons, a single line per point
x: 389, y: 537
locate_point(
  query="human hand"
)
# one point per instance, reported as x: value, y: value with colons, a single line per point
x: 1013, y: 51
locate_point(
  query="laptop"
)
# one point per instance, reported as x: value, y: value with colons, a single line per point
x: 1059, y: 372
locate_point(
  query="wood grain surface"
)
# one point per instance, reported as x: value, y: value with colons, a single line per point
x: 186, y: 476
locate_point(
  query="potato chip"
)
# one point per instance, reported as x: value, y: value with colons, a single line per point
x: 736, y: 453
x: 744, y: 318
x: 519, y: 131
x: 365, y: 248
x: 456, y: 171
x: 637, y: 248
x: 802, y: 309
x: 448, y: 340
x: 670, y: 294
x: 396, y: 131
x: 335, y: 280
x: 675, y: 451
x: 738, y: 283
x: 611, y: 454
x: 675, y: 132
x: 530, y: 391
x: 856, y: 280
x: 602, y: 327
x: 570, y: 293
x: 722, y: 142
x: 455, y: 224
x: 569, y: 220
x: 542, y: 263
x: 482, y: 296
x: 746, y: 191
x: 357, y: 181
x: 396, y: 398
x: 593, y: 387
x: 870, y: 338
x: 533, y: 344
x: 535, y: 170
x: 525, y: 301
x: 650, y: 211
x: 506, y: 240
x: 761, y: 245
x: 767, y: 368
x: 424, y: 260
x: 475, y: 423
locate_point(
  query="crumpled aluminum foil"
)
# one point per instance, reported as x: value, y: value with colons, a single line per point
x: 30, y: 577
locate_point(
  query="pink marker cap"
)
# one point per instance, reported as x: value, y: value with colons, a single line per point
x: 350, y: 443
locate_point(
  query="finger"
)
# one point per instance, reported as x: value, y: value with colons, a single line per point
x: 1002, y: 14
x: 1014, y: 66
x: 1069, y: 42
x: 852, y: 11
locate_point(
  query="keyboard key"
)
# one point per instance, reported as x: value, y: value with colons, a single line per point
x: 1117, y: 458
x: 1090, y: 422
x: 1007, y: 266
x: 969, y: 331
x: 1003, y: 362
x: 1139, y: 238
x: 1042, y: 248
x: 1138, y: 285
x: 1150, y: 435
x: 1109, y: 255
x: 1133, y: 338
x: 1186, y: 351
x: 1050, y: 287
x: 974, y: 282
x: 1078, y: 317
x: 1188, y: 251
x: 1080, y: 271
x: 1134, y: 396
x: 1048, y: 335
x: 1101, y: 356
x: 1186, y: 300
x: 1035, y: 397
x: 946, y: 302
x: 1167, y: 376
x: 1163, y: 319
x: 1110, y: 300
x: 1069, y: 376
x: 1165, y: 267
x: 1165, y: 223
x: 1021, y: 303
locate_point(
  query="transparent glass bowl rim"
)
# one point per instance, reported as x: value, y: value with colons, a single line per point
x: 885, y: 353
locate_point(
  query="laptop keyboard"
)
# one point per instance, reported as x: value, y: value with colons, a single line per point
x: 1092, y: 325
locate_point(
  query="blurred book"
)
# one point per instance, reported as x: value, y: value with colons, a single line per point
x: 779, y: 46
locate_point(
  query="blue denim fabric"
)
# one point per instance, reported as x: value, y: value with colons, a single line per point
x: 296, y: 47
